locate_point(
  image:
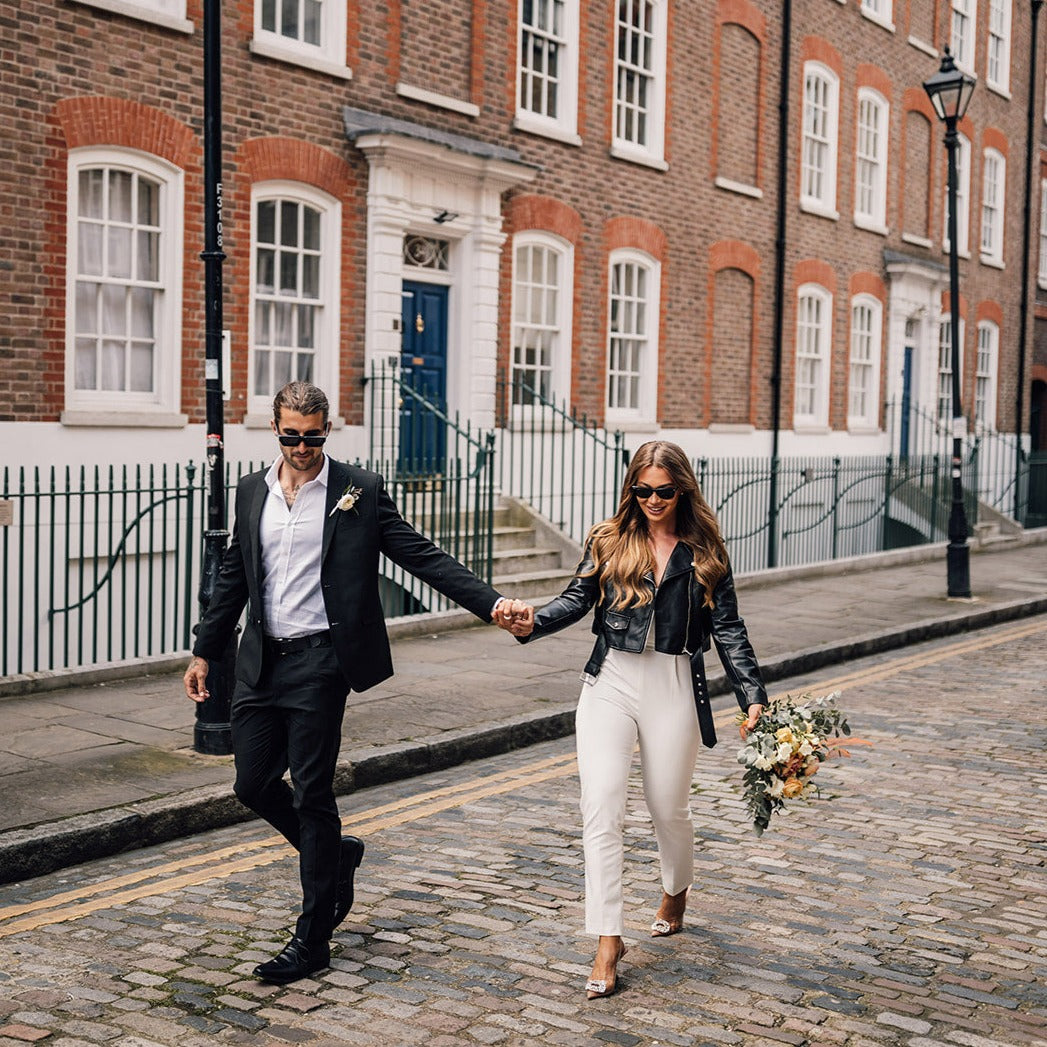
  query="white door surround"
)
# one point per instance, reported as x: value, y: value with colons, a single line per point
x: 446, y: 187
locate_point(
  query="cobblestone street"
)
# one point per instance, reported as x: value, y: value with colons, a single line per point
x: 910, y: 909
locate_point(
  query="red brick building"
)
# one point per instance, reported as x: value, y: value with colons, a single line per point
x: 582, y: 194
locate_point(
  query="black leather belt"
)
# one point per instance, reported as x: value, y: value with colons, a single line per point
x: 294, y: 644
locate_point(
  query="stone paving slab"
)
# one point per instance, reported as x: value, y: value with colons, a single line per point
x: 907, y: 911
x: 116, y: 757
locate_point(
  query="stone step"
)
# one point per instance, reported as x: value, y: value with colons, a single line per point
x: 524, y: 561
x: 532, y: 584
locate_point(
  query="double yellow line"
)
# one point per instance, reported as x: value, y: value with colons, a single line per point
x: 174, y: 876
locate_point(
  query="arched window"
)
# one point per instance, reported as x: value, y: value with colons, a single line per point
x: 863, y: 388
x: 641, y: 31
x: 963, y: 197
x: 813, y: 355
x: 124, y: 314
x: 632, y: 350
x: 821, y: 103
x: 994, y: 182
x: 294, y: 282
x: 870, y: 161
x: 944, y: 398
x: 985, y: 375
x: 543, y: 272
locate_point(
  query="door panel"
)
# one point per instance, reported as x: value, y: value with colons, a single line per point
x: 423, y: 360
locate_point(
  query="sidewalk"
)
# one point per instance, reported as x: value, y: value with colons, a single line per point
x: 91, y: 770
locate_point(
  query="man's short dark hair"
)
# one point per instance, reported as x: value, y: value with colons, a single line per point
x: 303, y: 397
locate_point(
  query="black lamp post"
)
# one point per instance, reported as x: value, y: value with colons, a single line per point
x: 950, y: 93
x: 212, y: 733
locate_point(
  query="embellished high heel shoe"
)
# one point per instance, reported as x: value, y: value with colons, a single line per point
x: 662, y: 928
x: 595, y: 988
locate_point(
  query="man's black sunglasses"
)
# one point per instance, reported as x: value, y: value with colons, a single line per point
x: 293, y: 439
x: 643, y: 492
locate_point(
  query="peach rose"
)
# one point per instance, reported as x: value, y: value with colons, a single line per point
x: 793, y: 787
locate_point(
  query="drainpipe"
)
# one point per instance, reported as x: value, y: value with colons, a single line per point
x: 1026, y: 235
x: 779, y: 279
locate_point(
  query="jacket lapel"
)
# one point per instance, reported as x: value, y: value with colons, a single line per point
x: 680, y: 561
x: 337, y: 481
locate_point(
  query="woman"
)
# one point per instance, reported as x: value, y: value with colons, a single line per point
x: 658, y: 576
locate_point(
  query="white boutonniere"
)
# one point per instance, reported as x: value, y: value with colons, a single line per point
x: 348, y: 500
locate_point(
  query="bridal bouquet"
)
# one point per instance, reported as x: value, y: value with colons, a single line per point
x: 784, y: 750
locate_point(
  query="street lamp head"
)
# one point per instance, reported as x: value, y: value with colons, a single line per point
x: 949, y: 90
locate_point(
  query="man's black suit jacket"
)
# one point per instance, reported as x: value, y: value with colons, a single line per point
x: 352, y: 541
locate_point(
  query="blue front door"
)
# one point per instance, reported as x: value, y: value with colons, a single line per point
x: 423, y: 360
x: 903, y: 435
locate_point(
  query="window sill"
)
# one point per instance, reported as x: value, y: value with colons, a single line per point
x: 862, y: 429
x: 736, y: 428
x: 992, y: 263
x: 630, y: 425
x: 927, y: 49
x: 811, y: 428
x: 531, y: 124
x: 870, y: 226
x: 918, y: 241
x: 118, y: 419
x: 741, y: 188
x: 141, y: 13
x: 317, y: 63
x: 999, y: 89
x: 420, y: 94
x: 820, y: 210
x: 868, y: 16
x: 638, y: 156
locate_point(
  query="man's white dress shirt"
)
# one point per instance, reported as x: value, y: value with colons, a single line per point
x: 292, y: 542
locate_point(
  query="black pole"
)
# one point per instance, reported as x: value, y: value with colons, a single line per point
x: 212, y: 733
x: 779, y: 281
x: 1019, y: 398
x: 958, y: 554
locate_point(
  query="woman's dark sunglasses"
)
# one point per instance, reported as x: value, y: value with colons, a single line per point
x: 643, y: 492
x: 293, y: 439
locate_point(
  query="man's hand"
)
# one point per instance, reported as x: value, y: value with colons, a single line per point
x: 515, y: 616
x: 754, y: 712
x: 195, y: 680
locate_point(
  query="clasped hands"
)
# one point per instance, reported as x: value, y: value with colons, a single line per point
x: 514, y: 616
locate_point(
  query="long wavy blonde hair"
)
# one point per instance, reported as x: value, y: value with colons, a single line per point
x: 620, y: 548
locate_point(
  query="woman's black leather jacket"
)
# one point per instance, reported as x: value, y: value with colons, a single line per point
x: 682, y: 626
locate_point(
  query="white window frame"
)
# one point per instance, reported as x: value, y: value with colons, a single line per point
x: 167, y: 13
x: 821, y: 199
x: 562, y: 126
x: 998, y: 47
x: 865, y: 351
x: 871, y: 156
x: 943, y: 391
x: 962, y: 32
x: 994, y: 185
x: 325, y: 370
x: 820, y: 329
x: 328, y: 56
x: 879, y: 11
x: 1041, y: 274
x: 560, y: 363
x: 652, y: 151
x: 646, y: 409
x: 963, y: 198
x: 986, y: 371
x: 161, y: 403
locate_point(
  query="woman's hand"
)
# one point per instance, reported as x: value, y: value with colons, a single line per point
x: 754, y: 712
x: 515, y: 616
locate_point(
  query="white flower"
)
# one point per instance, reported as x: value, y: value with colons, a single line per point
x: 777, y: 785
x: 348, y: 499
x: 762, y: 763
x: 785, y: 750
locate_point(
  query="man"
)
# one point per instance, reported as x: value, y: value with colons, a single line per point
x: 304, y: 560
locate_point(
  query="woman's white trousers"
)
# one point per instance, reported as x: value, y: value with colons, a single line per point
x: 647, y: 699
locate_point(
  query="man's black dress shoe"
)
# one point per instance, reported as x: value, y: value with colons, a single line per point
x: 351, y: 856
x: 298, y: 960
